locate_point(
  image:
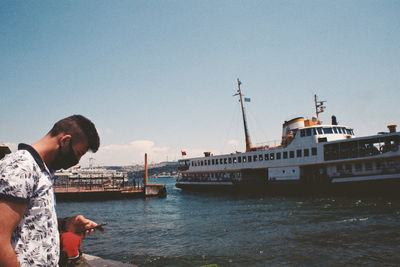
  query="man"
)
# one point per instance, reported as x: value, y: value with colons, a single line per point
x: 27, y: 207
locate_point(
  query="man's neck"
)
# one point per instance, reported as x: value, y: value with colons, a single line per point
x: 46, y: 148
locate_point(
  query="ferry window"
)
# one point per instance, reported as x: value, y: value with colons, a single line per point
x: 302, y: 132
x: 192, y: 164
x: 278, y: 155
x: 328, y: 130
x: 213, y: 161
x: 221, y: 161
x: 379, y: 165
x: 298, y: 153
x: 344, y: 130
x: 339, y: 129
x: 239, y: 159
x: 368, y: 166
x: 244, y: 159
x: 314, y: 151
x: 308, y: 132
x: 230, y: 160
x: 266, y: 157
x: 335, y: 130
x: 349, y: 167
x: 285, y: 154
x: 216, y: 162
x: 291, y: 154
x: 314, y: 131
x: 339, y: 168
x: 260, y: 157
x: 202, y: 163
x: 319, y: 130
x: 225, y: 160
x: 234, y: 160
x: 352, y: 132
x: 249, y: 158
x: 358, y: 167
x: 271, y: 156
x: 209, y: 162
x: 348, y: 131
x: 255, y: 158
x: 306, y: 152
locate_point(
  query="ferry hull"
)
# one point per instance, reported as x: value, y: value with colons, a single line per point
x: 97, y: 195
x: 206, y: 187
x: 369, y: 187
x: 382, y: 187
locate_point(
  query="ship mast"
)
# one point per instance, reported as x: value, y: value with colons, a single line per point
x: 246, y: 132
x: 319, y: 106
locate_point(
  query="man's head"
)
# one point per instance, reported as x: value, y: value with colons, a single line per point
x: 75, y: 136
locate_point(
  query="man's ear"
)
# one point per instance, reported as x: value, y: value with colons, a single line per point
x: 65, y: 139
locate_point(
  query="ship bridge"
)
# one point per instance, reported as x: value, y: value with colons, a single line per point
x: 298, y: 131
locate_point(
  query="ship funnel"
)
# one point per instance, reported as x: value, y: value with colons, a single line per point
x: 392, y: 128
x: 291, y: 125
x: 288, y: 127
x: 334, y: 121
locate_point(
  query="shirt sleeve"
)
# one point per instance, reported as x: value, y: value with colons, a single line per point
x: 16, y: 179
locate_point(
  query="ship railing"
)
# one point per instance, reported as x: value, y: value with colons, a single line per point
x: 378, y: 166
x: 269, y: 144
x: 97, y: 184
x: 361, y: 148
x: 183, y: 168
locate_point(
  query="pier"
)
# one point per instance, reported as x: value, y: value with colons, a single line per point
x: 83, y: 194
x: 95, y: 261
x: 86, y: 185
x: 87, y: 193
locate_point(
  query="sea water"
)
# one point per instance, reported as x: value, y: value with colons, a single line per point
x: 196, y: 229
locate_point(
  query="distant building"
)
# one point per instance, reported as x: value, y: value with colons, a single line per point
x: 169, y: 163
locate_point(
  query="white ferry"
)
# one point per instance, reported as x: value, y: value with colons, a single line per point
x: 77, y: 176
x: 312, y: 156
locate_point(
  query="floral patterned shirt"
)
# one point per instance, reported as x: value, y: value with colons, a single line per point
x: 24, y: 178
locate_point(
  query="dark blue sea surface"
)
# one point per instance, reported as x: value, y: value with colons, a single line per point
x: 195, y: 229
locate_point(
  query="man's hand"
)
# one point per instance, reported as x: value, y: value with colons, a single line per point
x: 78, y: 224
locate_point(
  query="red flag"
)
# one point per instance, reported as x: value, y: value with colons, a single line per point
x: 183, y: 153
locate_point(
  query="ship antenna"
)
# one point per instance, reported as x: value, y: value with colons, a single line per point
x: 91, y: 162
x: 319, y: 106
x: 246, y: 132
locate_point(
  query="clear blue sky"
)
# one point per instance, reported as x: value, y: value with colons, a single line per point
x: 158, y: 76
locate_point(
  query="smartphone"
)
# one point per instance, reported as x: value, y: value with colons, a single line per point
x: 94, y: 227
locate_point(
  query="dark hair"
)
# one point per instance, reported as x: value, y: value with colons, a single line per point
x: 78, y: 127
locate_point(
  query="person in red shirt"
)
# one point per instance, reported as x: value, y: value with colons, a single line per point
x: 71, y: 245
